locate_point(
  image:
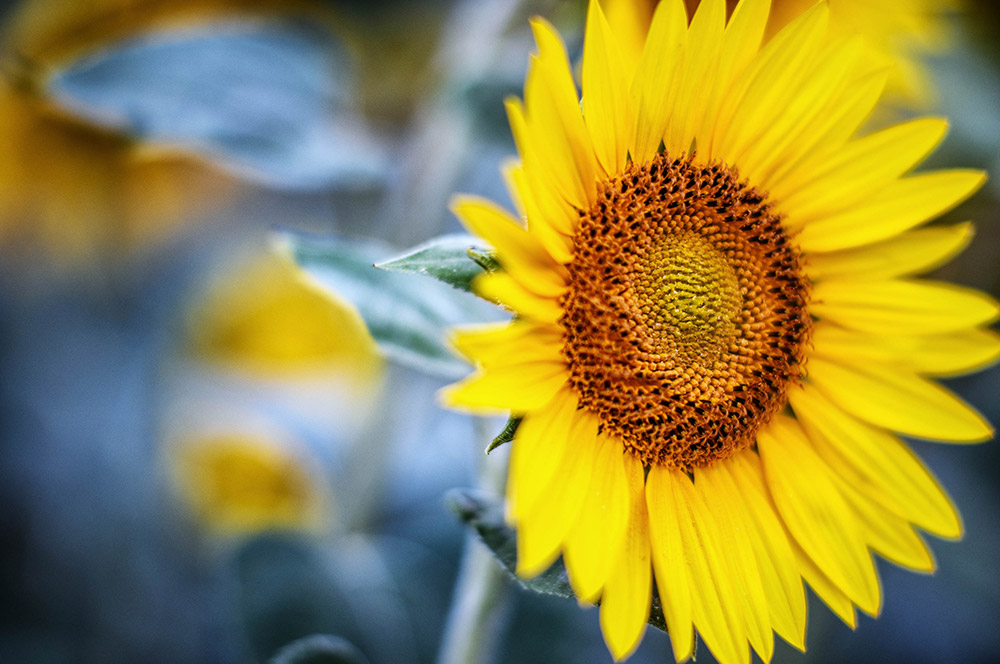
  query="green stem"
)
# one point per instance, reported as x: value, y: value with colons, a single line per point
x: 477, y: 610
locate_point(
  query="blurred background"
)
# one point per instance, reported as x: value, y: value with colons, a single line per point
x: 202, y: 457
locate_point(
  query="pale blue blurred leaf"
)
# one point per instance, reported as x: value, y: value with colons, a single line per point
x: 271, y: 101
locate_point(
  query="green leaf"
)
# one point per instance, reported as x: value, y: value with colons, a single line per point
x: 506, y: 435
x: 484, y: 513
x: 319, y: 649
x: 453, y: 259
x: 408, y: 318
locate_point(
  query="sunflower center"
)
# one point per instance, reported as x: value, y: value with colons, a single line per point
x: 686, y: 314
x: 688, y: 295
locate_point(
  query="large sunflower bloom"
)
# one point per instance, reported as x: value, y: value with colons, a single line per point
x: 716, y: 338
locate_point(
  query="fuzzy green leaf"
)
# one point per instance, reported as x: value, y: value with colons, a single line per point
x: 408, y: 318
x: 485, y: 514
x: 453, y: 259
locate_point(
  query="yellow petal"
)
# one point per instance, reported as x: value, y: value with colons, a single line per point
x: 606, y: 100
x: 595, y: 539
x: 554, y: 209
x: 629, y: 21
x: 876, y: 462
x: 817, y: 94
x: 772, y: 81
x: 898, y: 400
x: 908, y: 253
x: 715, y: 604
x: 542, y: 530
x: 775, y: 559
x: 500, y: 287
x: 903, y: 204
x: 672, y: 578
x: 735, y: 525
x: 889, y: 535
x: 701, y: 55
x: 558, y: 81
x: 830, y: 133
x: 901, y: 306
x: 830, y: 182
x: 661, y: 60
x: 827, y: 591
x: 498, y: 344
x: 559, y: 245
x: 952, y: 354
x: 946, y: 354
x: 555, y: 124
x: 517, y: 388
x: 537, y: 451
x: 521, y: 254
x: 739, y: 46
x: 815, y: 512
x: 629, y: 587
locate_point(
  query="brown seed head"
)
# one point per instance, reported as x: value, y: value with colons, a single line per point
x: 686, y: 314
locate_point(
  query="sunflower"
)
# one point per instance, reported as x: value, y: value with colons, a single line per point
x: 716, y: 338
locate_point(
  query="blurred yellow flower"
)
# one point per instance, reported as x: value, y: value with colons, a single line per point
x: 899, y: 34
x: 81, y: 193
x: 265, y: 318
x: 238, y: 484
x: 78, y: 192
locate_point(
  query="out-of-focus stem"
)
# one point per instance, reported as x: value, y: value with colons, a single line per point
x: 477, y: 613
x: 436, y: 152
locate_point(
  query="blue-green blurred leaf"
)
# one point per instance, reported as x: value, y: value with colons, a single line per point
x: 319, y: 649
x: 448, y: 258
x: 270, y: 100
x: 408, y: 316
x: 485, y: 514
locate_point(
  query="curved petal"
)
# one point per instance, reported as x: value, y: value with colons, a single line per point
x: 628, y: 590
x: 545, y: 228
x: 946, y: 354
x: 775, y: 559
x: 898, y: 400
x: 815, y: 512
x: 735, y: 531
x: 900, y: 206
x: 715, y: 604
x: 499, y: 344
x: 594, y: 540
x: 542, y: 529
x: 537, y: 451
x: 517, y: 388
x: 876, y: 462
x: 908, y: 253
x: 901, y: 306
x: 861, y: 167
x: 521, y: 254
x: 606, y: 100
x: 672, y: 578
x: 500, y: 287
x: 660, y: 61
